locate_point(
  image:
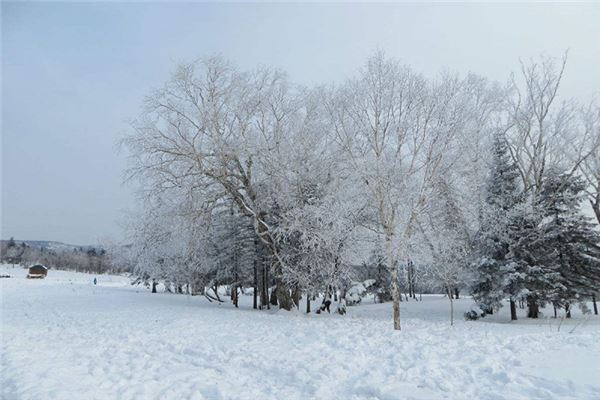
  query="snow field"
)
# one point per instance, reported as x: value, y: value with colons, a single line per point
x: 64, y: 338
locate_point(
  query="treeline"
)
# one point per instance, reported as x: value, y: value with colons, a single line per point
x: 80, y: 259
x: 451, y: 184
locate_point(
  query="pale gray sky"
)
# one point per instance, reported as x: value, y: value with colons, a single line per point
x: 74, y: 73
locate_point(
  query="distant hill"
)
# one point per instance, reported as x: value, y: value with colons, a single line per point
x: 50, y: 245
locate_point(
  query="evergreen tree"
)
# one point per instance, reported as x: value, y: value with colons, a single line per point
x: 568, y: 246
x: 381, y: 287
x: 495, y: 275
x: 533, y: 281
x: 557, y: 254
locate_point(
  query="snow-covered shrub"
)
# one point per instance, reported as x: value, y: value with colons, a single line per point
x: 585, y: 310
x: 357, y: 291
x: 474, y: 314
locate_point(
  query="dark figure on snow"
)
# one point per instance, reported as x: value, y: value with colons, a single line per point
x: 326, y: 303
x: 95, y: 281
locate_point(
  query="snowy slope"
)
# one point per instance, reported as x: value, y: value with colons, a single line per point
x: 64, y: 338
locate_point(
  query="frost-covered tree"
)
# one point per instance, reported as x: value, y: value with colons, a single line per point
x: 545, y: 134
x: 443, y: 230
x: 319, y: 239
x: 13, y: 253
x: 494, y: 275
x: 585, y: 153
x: 210, y: 130
x: 163, y: 244
x: 569, y: 247
x: 536, y: 121
x: 557, y: 250
x: 397, y: 130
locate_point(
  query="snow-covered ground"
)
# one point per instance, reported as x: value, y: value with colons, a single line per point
x: 64, y: 338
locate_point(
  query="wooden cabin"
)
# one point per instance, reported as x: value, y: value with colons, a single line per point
x: 37, y: 271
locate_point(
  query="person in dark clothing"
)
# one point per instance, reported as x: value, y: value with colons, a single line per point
x: 326, y: 304
x: 95, y: 281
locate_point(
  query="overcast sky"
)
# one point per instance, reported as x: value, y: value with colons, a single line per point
x: 73, y: 74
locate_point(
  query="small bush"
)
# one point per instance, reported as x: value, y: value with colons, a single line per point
x: 474, y: 314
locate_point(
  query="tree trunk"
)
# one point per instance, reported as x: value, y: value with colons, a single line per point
x: 154, y: 283
x: 283, y: 297
x: 451, y: 312
x: 395, y: 300
x: 215, y: 289
x: 392, y: 266
x: 255, y: 283
x: 234, y: 295
x: 513, y: 310
x: 456, y: 293
x: 273, y: 300
x: 595, y: 305
x: 568, y: 310
x: 264, y: 288
x: 596, y: 206
x: 307, y: 303
x: 410, y: 278
x: 532, y: 308
x: 451, y: 298
x: 296, y: 296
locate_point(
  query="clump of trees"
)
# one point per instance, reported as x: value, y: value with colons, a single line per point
x: 80, y: 259
x: 252, y: 182
x: 535, y: 245
x: 12, y: 253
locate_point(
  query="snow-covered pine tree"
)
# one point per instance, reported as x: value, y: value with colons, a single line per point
x: 568, y: 246
x: 494, y: 275
x: 381, y: 287
x: 535, y: 281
